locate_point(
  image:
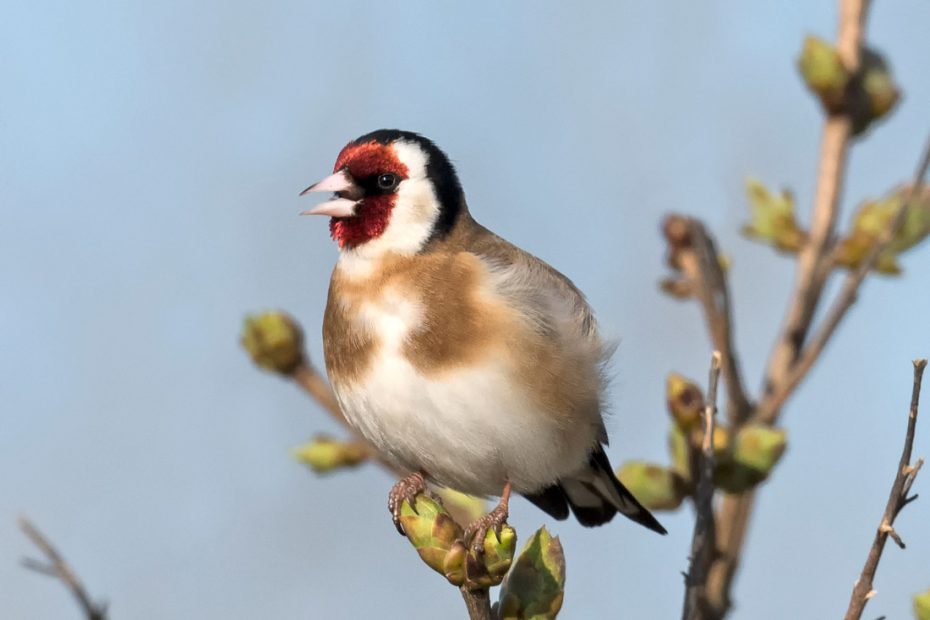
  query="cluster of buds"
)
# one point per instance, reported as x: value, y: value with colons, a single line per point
x: 741, y: 460
x: 438, y: 540
x: 274, y: 341
x: 866, y: 94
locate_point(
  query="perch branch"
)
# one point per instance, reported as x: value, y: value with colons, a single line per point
x: 55, y: 566
x: 897, y: 500
x: 478, y: 603
x: 702, y: 542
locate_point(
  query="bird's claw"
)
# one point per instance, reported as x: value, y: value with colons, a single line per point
x: 406, y: 490
x: 477, y: 531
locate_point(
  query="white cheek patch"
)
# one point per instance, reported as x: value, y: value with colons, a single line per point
x: 415, y: 211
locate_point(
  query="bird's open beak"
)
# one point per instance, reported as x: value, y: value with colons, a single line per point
x: 342, y: 184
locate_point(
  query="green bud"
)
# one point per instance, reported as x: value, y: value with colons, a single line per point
x: 685, y: 401
x: 325, y: 454
x: 922, y: 606
x: 431, y: 530
x: 680, y: 452
x: 773, y: 219
x: 656, y: 487
x: 873, y: 218
x: 535, y: 586
x: 453, y: 564
x: 824, y: 73
x: 759, y: 448
x: 489, y: 569
x: 274, y: 340
x: 463, y: 508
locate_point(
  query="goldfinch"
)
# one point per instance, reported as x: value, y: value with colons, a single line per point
x: 466, y: 361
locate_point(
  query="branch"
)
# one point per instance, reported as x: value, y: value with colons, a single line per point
x: 813, y: 259
x: 897, y: 500
x: 695, y: 253
x: 478, y: 603
x: 702, y: 542
x: 55, y: 566
x: 768, y: 408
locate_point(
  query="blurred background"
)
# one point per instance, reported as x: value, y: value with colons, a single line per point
x: 150, y: 160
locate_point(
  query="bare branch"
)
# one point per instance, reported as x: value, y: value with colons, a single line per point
x: 696, y: 255
x: 702, y: 542
x: 770, y: 405
x: 56, y: 566
x: 478, y: 603
x: 897, y: 500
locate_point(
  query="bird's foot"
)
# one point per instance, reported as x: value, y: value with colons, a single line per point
x: 477, y: 531
x: 407, y: 490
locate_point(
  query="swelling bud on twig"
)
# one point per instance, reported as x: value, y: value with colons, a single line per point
x: 873, y: 219
x: 681, y: 453
x: 325, y: 454
x: 824, y: 73
x: 685, y: 401
x: 773, y: 220
x: 759, y: 448
x: 878, y: 93
x: 922, y: 606
x: 535, y: 586
x: 656, y: 487
x: 489, y: 569
x: 274, y: 340
x: 431, y: 530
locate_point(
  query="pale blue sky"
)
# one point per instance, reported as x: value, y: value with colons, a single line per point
x: 150, y: 159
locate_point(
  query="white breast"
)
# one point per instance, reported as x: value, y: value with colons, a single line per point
x: 471, y: 429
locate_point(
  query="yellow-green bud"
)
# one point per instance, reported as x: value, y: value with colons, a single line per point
x: 324, y: 454
x: 431, y: 530
x: 489, y: 569
x: 680, y: 452
x: 656, y: 487
x: 685, y: 401
x: 759, y: 448
x: 274, y: 341
x: 535, y: 586
x: 922, y: 606
x: 463, y: 508
x: 824, y: 73
x: 773, y: 219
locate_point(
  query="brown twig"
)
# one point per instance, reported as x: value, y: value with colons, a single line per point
x: 696, y: 255
x: 56, y: 566
x: 702, y: 542
x: 478, y: 603
x: 897, y: 500
x: 770, y: 405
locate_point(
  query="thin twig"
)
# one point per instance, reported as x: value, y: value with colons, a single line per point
x: 897, y: 500
x: 702, y: 542
x: 56, y: 566
x: 770, y: 405
x: 697, y: 257
x: 478, y: 603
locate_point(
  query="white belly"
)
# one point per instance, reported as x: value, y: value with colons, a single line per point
x: 470, y: 429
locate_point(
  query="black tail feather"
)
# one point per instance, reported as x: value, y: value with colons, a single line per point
x: 594, y: 498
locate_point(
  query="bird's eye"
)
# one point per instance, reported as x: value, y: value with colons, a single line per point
x: 387, y: 181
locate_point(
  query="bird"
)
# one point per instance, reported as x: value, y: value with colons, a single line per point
x: 467, y: 362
